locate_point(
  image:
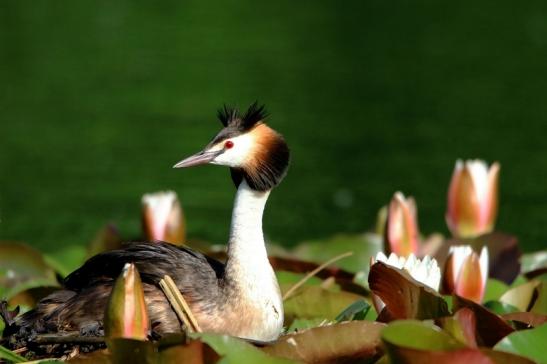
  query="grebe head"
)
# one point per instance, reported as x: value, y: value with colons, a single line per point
x: 253, y: 151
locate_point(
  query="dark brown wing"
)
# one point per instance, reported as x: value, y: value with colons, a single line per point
x: 83, y: 301
x: 153, y: 260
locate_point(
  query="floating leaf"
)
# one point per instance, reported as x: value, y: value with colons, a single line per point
x: 358, y: 341
x: 317, y: 302
x: 500, y: 308
x: 533, y: 261
x: 194, y: 352
x: 431, y: 345
x: 491, y: 328
x: 356, y: 311
x: 528, y: 318
x: 22, y: 268
x: 494, y: 289
x: 462, y: 326
x: 520, y: 296
x: 10, y: 355
x: 404, y: 297
x: 303, y: 324
x: 470, y: 356
x: 123, y: 350
x: 528, y: 343
x: 425, y: 336
x: 288, y: 279
x: 540, y: 304
x: 237, y: 351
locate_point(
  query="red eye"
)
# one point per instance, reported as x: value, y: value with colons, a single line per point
x: 228, y: 144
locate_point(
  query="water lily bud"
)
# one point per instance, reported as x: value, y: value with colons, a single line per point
x: 162, y: 217
x: 472, y: 198
x: 466, y: 273
x: 426, y: 271
x: 126, y: 314
x: 401, y: 234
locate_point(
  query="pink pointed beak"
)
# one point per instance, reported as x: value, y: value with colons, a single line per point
x: 197, y: 159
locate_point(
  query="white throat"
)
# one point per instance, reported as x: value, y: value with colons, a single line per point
x: 248, y: 270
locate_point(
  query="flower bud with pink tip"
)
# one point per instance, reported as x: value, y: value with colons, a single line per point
x: 401, y: 233
x: 466, y: 273
x: 472, y: 198
x: 162, y: 217
x: 127, y: 314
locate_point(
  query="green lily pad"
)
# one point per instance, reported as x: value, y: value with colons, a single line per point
x: 237, y: 351
x: 494, y: 290
x: 462, y: 326
x: 288, y: 279
x: 317, y: 302
x: 123, y: 350
x: 356, y: 311
x: 528, y: 343
x: 425, y: 336
x: 22, y: 268
x: 304, y: 324
x: 533, y: 261
x: 521, y: 296
x: 500, y: 308
x: 10, y: 356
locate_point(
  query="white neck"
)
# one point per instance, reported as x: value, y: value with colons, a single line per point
x: 246, y: 247
x: 248, y: 271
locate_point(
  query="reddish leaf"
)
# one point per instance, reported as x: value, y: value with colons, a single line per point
x: 404, y: 297
x: 467, y: 356
x: 535, y: 273
x: 345, y: 342
x: 491, y: 328
x: 529, y: 318
x: 462, y: 326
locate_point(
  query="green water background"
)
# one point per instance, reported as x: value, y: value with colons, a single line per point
x: 98, y: 99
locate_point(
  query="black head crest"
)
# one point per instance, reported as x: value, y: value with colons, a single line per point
x: 230, y: 117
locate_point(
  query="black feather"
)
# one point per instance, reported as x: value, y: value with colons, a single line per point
x: 230, y: 117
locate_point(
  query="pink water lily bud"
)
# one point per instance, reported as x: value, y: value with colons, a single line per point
x: 472, y: 198
x: 466, y: 273
x: 126, y: 314
x: 401, y: 233
x: 162, y: 217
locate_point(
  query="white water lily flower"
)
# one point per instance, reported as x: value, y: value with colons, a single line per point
x: 425, y: 271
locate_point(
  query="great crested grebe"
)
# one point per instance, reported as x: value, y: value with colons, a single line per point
x: 239, y: 298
